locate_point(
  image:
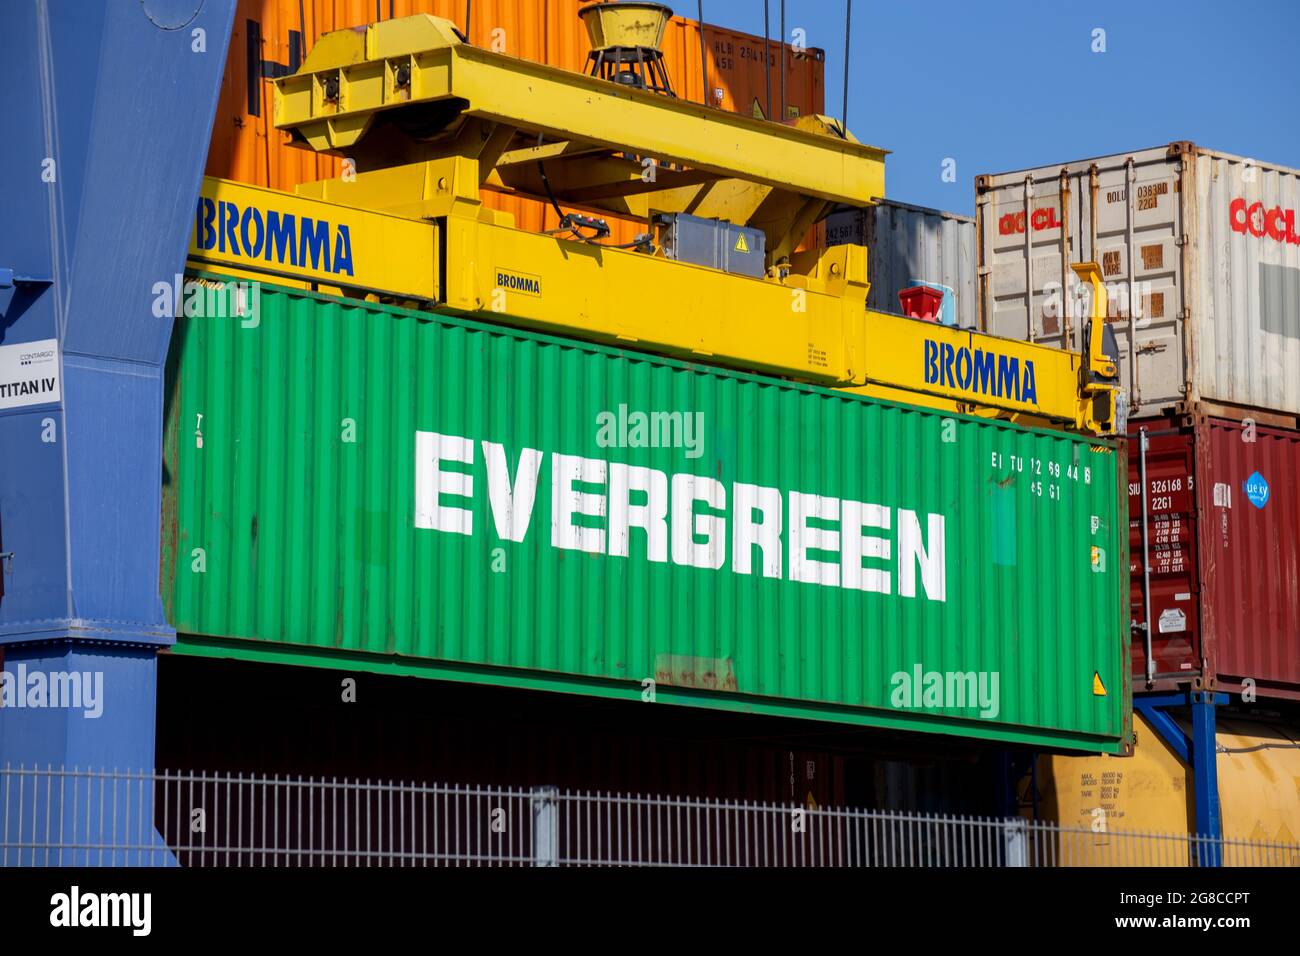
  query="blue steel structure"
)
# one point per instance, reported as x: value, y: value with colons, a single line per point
x: 107, y: 112
x: 1199, y: 752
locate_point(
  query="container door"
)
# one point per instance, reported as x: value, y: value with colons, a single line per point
x: 1023, y: 250
x: 1057, y: 231
x: 1140, y: 237
x: 1139, y: 234
x: 1250, y: 552
x: 1171, y: 550
x: 1126, y: 213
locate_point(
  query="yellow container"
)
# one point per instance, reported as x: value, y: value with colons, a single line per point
x: 1152, y: 791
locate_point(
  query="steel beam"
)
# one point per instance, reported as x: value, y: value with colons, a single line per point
x: 1200, y: 753
x: 331, y: 102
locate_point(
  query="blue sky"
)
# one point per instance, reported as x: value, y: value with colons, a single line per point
x: 1007, y: 84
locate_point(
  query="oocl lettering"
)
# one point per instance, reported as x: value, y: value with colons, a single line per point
x: 977, y: 370
x: 1013, y: 222
x: 1276, y: 223
x: 273, y: 236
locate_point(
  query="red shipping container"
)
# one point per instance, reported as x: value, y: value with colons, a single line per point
x: 1223, y: 544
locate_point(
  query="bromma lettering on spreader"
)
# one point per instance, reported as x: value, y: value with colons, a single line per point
x: 980, y: 370
x: 690, y: 520
x: 274, y: 236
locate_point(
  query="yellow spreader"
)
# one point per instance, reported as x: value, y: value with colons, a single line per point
x: 426, y: 122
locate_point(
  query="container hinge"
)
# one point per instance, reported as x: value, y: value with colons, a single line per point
x: 1181, y: 240
x: 6, y: 562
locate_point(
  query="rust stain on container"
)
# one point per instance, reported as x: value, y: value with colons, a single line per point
x: 684, y: 670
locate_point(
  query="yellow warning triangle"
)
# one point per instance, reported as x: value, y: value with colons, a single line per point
x: 741, y: 244
x: 757, y: 110
x: 812, y: 804
x: 1098, y: 688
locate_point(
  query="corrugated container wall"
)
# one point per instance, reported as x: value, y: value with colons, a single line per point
x: 1200, y: 251
x: 247, y: 147
x: 906, y: 243
x: 477, y: 503
x: 1223, y: 537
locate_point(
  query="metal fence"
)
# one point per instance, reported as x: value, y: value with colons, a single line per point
x: 92, y: 818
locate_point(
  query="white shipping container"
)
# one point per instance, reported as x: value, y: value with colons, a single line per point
x: 1200, y: 252
x: 906, y: 244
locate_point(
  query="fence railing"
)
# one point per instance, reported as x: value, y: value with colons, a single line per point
x: 51, y: 817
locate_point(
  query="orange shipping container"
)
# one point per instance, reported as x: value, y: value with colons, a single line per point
x: 246, y: 147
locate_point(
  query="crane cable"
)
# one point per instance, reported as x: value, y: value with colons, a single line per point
x: 704, y: 63
x: 848, y: 29
x: 767, y: 54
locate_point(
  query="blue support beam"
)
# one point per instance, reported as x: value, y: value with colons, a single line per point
x: 1165, y: 725
x: 1198, y: 752
x: 1205, y: 771
x: 107, y: 111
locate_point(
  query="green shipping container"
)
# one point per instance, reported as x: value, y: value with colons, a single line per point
x: 363, y: 487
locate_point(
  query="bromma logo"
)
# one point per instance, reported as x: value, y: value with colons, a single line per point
x: 273, y: 236
x: 521, y: 282
x: 977, y: 370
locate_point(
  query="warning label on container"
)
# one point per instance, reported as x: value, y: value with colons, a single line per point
x: 29, y: 374
x: 1172, y: 621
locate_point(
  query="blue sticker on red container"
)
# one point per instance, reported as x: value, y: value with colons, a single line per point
x: 1256, y: 489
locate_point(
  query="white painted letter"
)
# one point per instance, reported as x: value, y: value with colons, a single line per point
x: 566, y: 501
x: 431, y: 449
x: 911, y: 550
x: 688, y: 489
x: 652, y: 516
x: 765, y: 533
x: 854, y: 546
x: 804, y: 538
x: 512, y: 510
